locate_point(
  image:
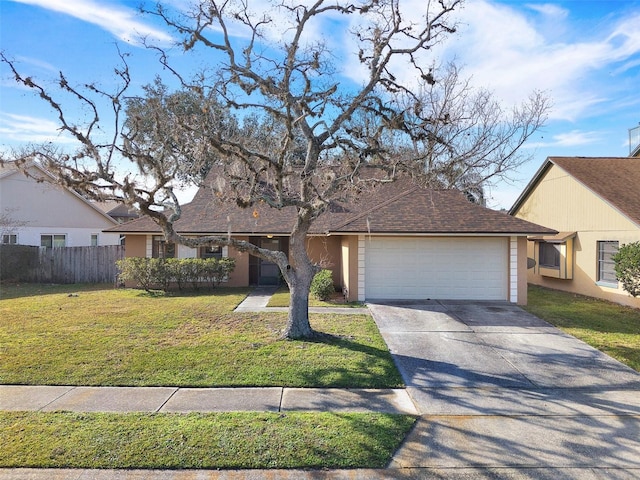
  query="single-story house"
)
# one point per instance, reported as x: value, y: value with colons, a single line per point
x: 595, y: 205
x: 398, y: 241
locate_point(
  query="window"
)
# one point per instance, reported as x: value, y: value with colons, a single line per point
x: 9, y: 239
x: 211, y: 252
x: 549, y: 255
x: 94, y: 239
x: 163, y: 249
x: 606, y: 272
x: 50, y: 241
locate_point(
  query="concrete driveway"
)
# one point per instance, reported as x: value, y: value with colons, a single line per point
x: 497, y: 387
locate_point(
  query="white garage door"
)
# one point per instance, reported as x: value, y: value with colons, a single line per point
x: 436, y: 268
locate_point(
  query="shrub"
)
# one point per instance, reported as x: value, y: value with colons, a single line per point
x: 322, y: 285
x: 177, y: 271
x: 192, y: 268
x: 627, y: 267
x: 160, y: 272
x: 138, y: 270
x: 216, y: 270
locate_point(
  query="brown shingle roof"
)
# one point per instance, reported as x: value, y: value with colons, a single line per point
x: 400, y: 207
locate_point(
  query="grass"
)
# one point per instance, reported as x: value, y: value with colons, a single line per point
x: 614, y: 329
x: 125, y: 337
x: 95, y: 335
x: 281, y: 299
x: 194, y: 441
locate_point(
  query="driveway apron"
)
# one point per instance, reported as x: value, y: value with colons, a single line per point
x: 497, y: 387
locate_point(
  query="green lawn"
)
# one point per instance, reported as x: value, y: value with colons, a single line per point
x: 281, y: 299
x: 95, y: 335
x: 75, y: 335
x: 609, y: 327
x: 193, y: 441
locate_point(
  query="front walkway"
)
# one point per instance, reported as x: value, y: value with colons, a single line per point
x: 259, y: 297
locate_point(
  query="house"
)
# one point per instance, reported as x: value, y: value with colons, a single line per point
x: 595, y: 205
x: 399, y: 241
x: 47, y: 215
x: 119, y: 212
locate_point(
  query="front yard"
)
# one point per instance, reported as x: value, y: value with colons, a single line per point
x: 94, y: 335
x: 91, y: 335
x: 73, y: 335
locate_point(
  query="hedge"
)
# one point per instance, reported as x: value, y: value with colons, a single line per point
x: 161, y: 273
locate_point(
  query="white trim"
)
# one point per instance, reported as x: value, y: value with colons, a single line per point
x: 423, y: 234
x: 513, y: 269
x: 149, y: 246
x: 361, y: 271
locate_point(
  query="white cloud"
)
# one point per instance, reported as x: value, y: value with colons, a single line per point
x: 549, y: 10
x: 26, y: 129
x: 504, y: 49
x: 573, y: 138
x: 119, y: 20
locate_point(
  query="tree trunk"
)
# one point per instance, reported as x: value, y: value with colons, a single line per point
x: 299, y: 274
x: 298, y: 325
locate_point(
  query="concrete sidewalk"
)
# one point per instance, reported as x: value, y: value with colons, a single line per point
x: 184, y: 400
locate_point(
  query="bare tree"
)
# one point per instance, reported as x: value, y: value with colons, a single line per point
x: 427, y: 123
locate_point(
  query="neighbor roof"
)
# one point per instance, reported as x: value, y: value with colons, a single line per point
x: 615, y: 179
x: 401, y: 207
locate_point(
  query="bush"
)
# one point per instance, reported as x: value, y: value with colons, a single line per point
x: 322, y: 285
x: 138, y: 270
x: 215, y: 270
x: 627, y: 267
x: 161, y: 273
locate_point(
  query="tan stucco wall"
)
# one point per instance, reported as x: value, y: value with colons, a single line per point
x: 562, y: 203
x: 135, y: 246
x: 327, y: 252
x: 240, y: 275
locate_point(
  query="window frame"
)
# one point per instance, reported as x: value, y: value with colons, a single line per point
x: 556, y: 255
x: 160, y: 248
x: 204, y: 253
x: 9, y: 237
x: 603, y: 260
x: 54, y: 237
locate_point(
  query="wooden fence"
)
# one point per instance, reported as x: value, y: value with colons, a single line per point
x: 21, y: 263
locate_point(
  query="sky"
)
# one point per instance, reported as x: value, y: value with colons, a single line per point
x: 583, y: 54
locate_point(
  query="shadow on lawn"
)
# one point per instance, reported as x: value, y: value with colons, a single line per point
x: 377, y: 366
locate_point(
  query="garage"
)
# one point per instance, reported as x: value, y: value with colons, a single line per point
x: 471, y: 268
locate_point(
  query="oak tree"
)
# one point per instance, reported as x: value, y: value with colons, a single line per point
x: 276, y: 115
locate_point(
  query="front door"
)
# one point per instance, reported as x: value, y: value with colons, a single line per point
x: 262, y: 272
x: 269, y: 271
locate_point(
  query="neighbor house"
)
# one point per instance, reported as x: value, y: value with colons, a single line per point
x: 595, y: 205
x: 399, y: 241
x: 46, y: 215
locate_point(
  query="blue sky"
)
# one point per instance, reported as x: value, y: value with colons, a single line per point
x: 585, y: 54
